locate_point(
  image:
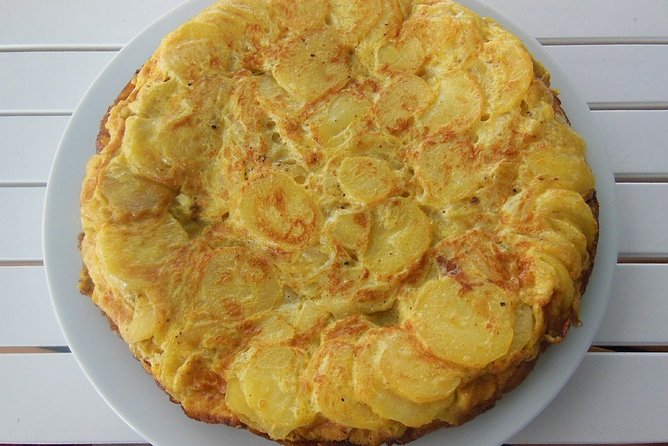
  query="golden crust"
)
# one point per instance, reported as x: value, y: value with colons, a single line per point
x: 321, y: 223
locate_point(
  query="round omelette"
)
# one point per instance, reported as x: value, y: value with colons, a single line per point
x: 338, y: 221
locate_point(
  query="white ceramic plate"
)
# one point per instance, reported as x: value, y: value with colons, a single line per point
x: 133, y: 394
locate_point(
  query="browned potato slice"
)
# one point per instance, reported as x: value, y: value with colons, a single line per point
x: 448, y: 172
x: 458, y: 104
x: 279, y: 210
x: 367, y: 180
x: 296, y: 17
x: 403, y: 56
x: 238, y: 283
x: 353, y: 19
x: 446, y: 32
x: 198, y: 49
x: 401, y: 101
x: 312, y: 66
x: 471, y: 327
x: 400, y: 234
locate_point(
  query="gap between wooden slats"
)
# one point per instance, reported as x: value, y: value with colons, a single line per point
x: 61, y: 406
x: 73, y: 23
x: 604, y: 73
x: 642, y: 217
x: 634, y: 318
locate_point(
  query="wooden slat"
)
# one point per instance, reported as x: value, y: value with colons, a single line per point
x: 642, y: 215
x: 21, y: 223
x: 47, y: 399
x: 642, y: 219
x: 612, y: 398
x: 76, y: 22
x: 589, y: 20
x: 609, y: 74
x: 61, y: 406
x: 48, y: 81
x: 27, y: 318
x: 616, y: 74
x: 635, y: 144
x: 80, y: 22
x: 636, y: 313
x: 27, y: 147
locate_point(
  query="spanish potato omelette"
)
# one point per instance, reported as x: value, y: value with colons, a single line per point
x: 338, y: 221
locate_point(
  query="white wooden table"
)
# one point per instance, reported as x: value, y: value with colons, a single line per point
x: 616, y: 50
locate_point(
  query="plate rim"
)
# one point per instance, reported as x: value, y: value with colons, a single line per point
x: 574, y: 347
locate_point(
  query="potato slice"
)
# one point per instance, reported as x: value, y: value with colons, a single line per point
x: 449, y: 172
x: 346, y: 112
x: 471, y: 327
x: 310, y: 66
x: 148, y: 316
x: 333, y: 390
x: 367, y: 180
x: 557, y: 167
x: 278, y: 210
x: 134, y: 252
x: 414, y: 373
x: 446, y: 32
x: 403, y: 56
x: 353, y: 19
x: 129, y: 195
x: 236, y: 400
x: 401, y: 101
x: 143, y: 153
x: 237, y: 283
x: 400, y: 235
x: 371, y: 389
x: 350, y: 229
x: 458, y: 104
x: 568, y: 206
x: 524, y: 328
x: 505, y: 71
x: 198, y: 49
x: 269, y: 379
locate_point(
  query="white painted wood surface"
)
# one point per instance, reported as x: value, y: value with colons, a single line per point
x: 615, y: 50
